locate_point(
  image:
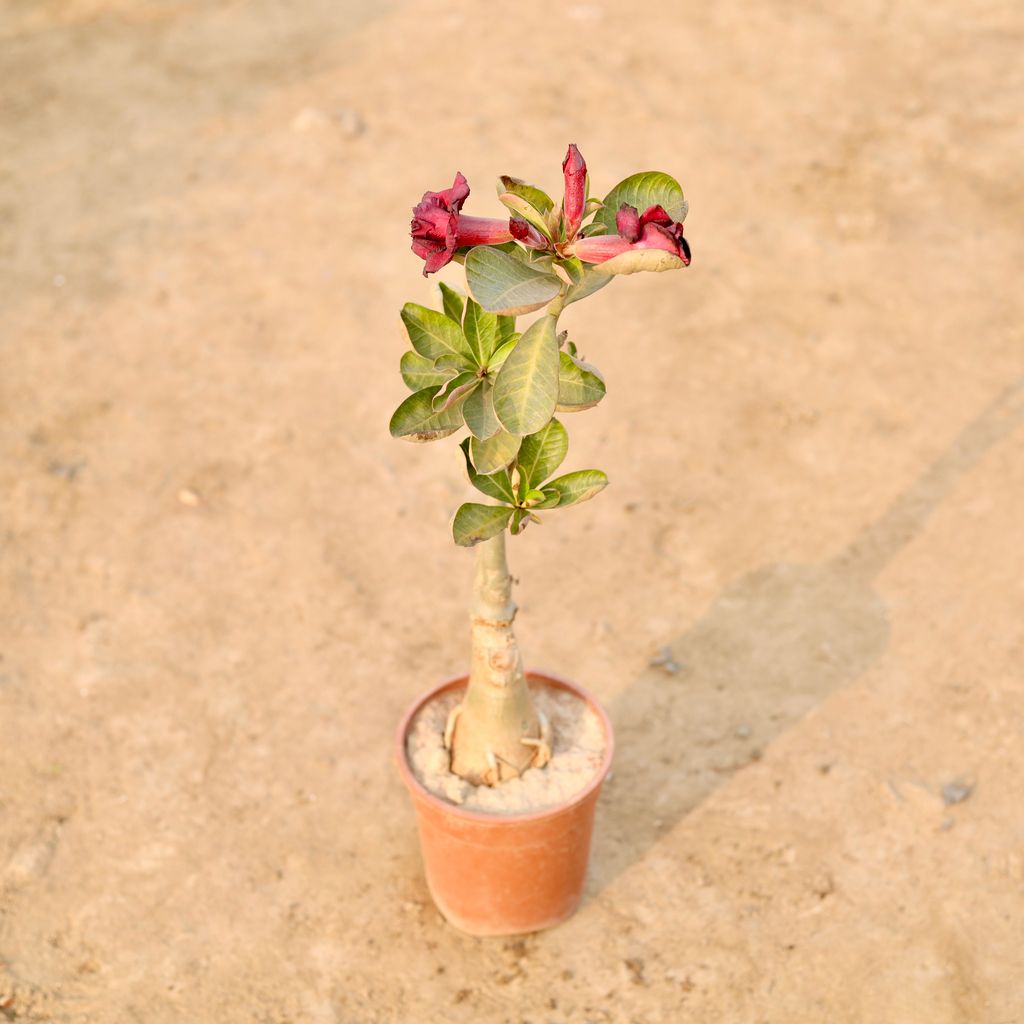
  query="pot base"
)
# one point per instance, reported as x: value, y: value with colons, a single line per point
x: 474, y: 926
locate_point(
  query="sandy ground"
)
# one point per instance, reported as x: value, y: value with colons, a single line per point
x: 222, y: 581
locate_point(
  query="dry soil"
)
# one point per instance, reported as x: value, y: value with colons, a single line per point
x: 222, y: 581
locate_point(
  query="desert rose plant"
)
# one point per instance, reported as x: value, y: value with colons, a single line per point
x: 470, y: 367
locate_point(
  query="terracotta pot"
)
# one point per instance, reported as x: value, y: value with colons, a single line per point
x: 495, y: 874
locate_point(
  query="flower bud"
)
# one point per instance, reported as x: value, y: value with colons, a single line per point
x: 523, y: 231
x: 574, y: 169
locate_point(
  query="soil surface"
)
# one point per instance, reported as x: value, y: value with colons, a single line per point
x: 222, y: 581
x: 578, y: 750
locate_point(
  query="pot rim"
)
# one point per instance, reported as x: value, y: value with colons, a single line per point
x: 420, y: 792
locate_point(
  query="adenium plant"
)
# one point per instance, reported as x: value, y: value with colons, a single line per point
x: 471, y: 368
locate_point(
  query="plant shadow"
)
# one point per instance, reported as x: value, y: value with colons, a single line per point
x: 768, y: 649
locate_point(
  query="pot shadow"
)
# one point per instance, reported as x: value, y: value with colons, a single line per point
x: 767, y: 650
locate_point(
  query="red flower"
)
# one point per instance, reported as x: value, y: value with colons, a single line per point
x: 574, y: 169
x: 655, y: 229
x: 438, y: 228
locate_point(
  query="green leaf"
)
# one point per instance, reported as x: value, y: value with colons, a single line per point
x: 454, y: 362
x: 419, y: 373
x: 506, y: 328
x: 537, y: 198
x: 539, y: 260
x: 580, y: 386
x: 574, y: 268
x: 528, y: 202
x: 456, y: 388
x: 416, y: 420
x: 634, y: 261
x: 576, y: 487
x: 474, y: 523
x: 497, y: 361
x: 643, y: 190
x: 501, y: 283
x: 521, y: 518
x: 591, y: 281
x: 494, y: 454
x: 496, y: 485
x: 452, y: 302
x: 550, y: 496
x: 433, y: 334
x: 526, y: 388
x: 521, y: 208
x: 542, y: 453
x: 481, y: 331
x: 479, y: 412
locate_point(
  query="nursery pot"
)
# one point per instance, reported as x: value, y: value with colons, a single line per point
x: 492, y: 874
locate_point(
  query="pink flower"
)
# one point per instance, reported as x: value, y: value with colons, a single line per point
x: 574, y: 169
x: 438, y: 227
x: 655, y: 229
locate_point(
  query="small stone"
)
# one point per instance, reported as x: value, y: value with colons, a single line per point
x: 351, y: 122
x: 665, y: 661
x: 823, y: 885
x: 956, y: 792
x: 188, y: 497
x: 635, y: 966
x: 30, y: 860
x: 66, y: 470
x: 743, y: 731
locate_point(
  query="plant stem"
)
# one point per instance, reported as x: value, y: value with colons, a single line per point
x: 497, y: 713
x: 556, y: 305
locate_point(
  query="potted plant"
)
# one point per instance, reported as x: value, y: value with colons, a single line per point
x: 505, y: 766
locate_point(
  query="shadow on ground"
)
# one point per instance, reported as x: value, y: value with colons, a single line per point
x: 769, y: 648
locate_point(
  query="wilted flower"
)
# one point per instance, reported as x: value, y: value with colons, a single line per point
x: 438, y: 228
x: 654, y: 229
x: 574, y: 169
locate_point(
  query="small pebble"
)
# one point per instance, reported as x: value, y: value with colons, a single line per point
x: 956, y: 792
x: 67, y: 470
x: 666, y: 661
x: 351, y: 122
x: 743, y: 731
x: 188, y: 497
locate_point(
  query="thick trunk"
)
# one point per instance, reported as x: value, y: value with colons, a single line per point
x: 496, y: 733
